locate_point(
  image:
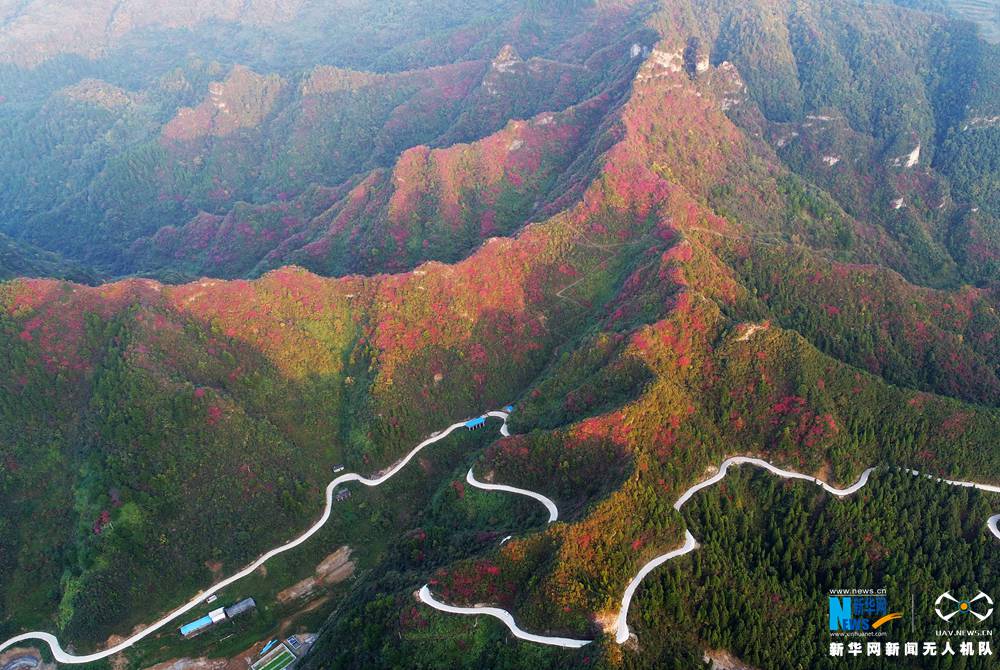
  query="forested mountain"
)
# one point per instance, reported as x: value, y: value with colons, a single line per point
x: 668, y: 232
x: 128, y: 144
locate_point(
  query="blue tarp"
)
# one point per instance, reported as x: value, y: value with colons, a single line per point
x: 196, y: 625
x: 475, y: 423
x: 508, y: 409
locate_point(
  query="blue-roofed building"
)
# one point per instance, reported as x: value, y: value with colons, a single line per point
x: 478, y: 422
x: 198, y: 625
x: 189, y: 629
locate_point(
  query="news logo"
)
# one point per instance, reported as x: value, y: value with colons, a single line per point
x: 981, y: 606
x: 859, y: 610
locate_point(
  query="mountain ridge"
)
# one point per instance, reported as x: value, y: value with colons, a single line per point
x: 698, y: 281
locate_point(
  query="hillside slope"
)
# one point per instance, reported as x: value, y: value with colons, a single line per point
x: 768, y: 231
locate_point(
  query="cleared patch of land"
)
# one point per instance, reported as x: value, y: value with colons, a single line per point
x: 336, y: 567
x: 23, y: 658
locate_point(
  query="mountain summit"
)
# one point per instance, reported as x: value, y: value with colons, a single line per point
x: 506, y: 59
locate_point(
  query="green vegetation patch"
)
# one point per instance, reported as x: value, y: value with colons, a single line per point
x: 276, y: 660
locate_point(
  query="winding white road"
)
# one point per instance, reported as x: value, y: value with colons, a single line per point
x: 982, y: 487
x: 781, y: 472
x: 621, y: 625
x: 690, y: 544
x: 503, y: 416
x: 503, y: 615
x: 549, y: 505
x: 622, y: 632
x: 62, y: 656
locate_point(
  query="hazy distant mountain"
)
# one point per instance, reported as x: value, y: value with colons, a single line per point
x: 984, y: 13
